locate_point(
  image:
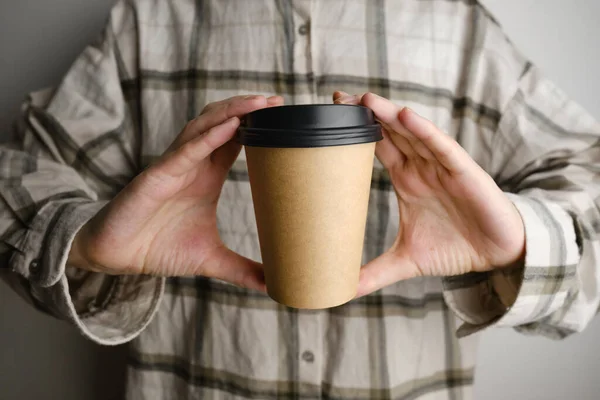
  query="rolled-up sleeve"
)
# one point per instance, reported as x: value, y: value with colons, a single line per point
x: 75, y: 149
x: 547, y: 160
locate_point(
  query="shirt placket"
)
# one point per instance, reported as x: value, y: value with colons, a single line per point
x: 310, y: 323
x: 302, y: 52
x: 310, y: 352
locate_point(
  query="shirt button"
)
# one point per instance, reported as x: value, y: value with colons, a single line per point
x: 303, y: 29
x: 308, y: 356
x: 34, y: 268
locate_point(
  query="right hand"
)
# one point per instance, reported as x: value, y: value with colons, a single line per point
x: 164, y: 222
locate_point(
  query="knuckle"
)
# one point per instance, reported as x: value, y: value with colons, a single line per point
x: 227, y: 107
x: 209, y: 139
x: 150, y: 180
x: 208, y: 107
x: 186, y: 151
x: 190, y: 125
x: 444, y: 153
x: 246, y: 281
x: 187, y: 131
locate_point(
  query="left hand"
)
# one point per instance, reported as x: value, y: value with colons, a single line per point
x: 454, y: 219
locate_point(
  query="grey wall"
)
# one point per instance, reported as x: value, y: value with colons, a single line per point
x: 562, y: 37
x: 41, y: 358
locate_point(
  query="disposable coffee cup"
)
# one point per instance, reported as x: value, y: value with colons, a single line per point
x: 310, y: 169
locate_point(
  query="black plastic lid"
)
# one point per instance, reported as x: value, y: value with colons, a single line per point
x: 315, y: 125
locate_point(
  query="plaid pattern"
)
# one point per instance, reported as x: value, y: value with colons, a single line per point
x: 159, y: 62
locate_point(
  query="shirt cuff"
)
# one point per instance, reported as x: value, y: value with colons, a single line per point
x: 521, y: 294
x: 118, y: 314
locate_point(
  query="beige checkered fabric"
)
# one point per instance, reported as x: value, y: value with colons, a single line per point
x: 159, y: 62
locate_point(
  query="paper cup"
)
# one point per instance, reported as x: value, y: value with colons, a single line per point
x: 310, y: 170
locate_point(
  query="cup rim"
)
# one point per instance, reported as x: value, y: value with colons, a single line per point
x: 309, y: 125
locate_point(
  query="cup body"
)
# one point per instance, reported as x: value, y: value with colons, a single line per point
x: 311, y: 210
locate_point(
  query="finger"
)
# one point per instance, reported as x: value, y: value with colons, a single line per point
x: 415, y: 144
x: 339, y: 94
x: 216, y: 104
x: 445, y: 150
x: 400, y: 141
x: 275, y: 101
x: 387, y: 114
x: 383, y: 271
x: 271, y: 101
x: 218, y: 113
x: 192, y: 153
x: 422, y: 150
x: 226, y: 155
x: 233, y: 107
x: 350, y: 100
x: 345, y: 98
x: 388, y: 153
x: 233, y: 268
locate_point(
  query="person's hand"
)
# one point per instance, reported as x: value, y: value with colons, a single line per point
x: 164, y: 222
x: 454, y: 219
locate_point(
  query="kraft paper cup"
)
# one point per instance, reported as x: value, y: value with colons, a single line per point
x: 310, y: 170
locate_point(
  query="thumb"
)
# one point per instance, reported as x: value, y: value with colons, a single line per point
x: 225, y: 156
x: 383, y: 271
x: 230, y: 267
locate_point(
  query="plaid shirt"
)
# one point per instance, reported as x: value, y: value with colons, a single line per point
x: 159, y: 62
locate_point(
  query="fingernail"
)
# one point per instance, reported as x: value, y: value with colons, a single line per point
x: 273, y: 99
x: 408, y: 116
x: 410, y: 111
x: 232, y: 121
x: 345, y: 99
x: 413, y: 114
x: 252, y: 97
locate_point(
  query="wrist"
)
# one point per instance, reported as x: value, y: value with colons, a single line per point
x: 515, y: 252
x: 77, y: 253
